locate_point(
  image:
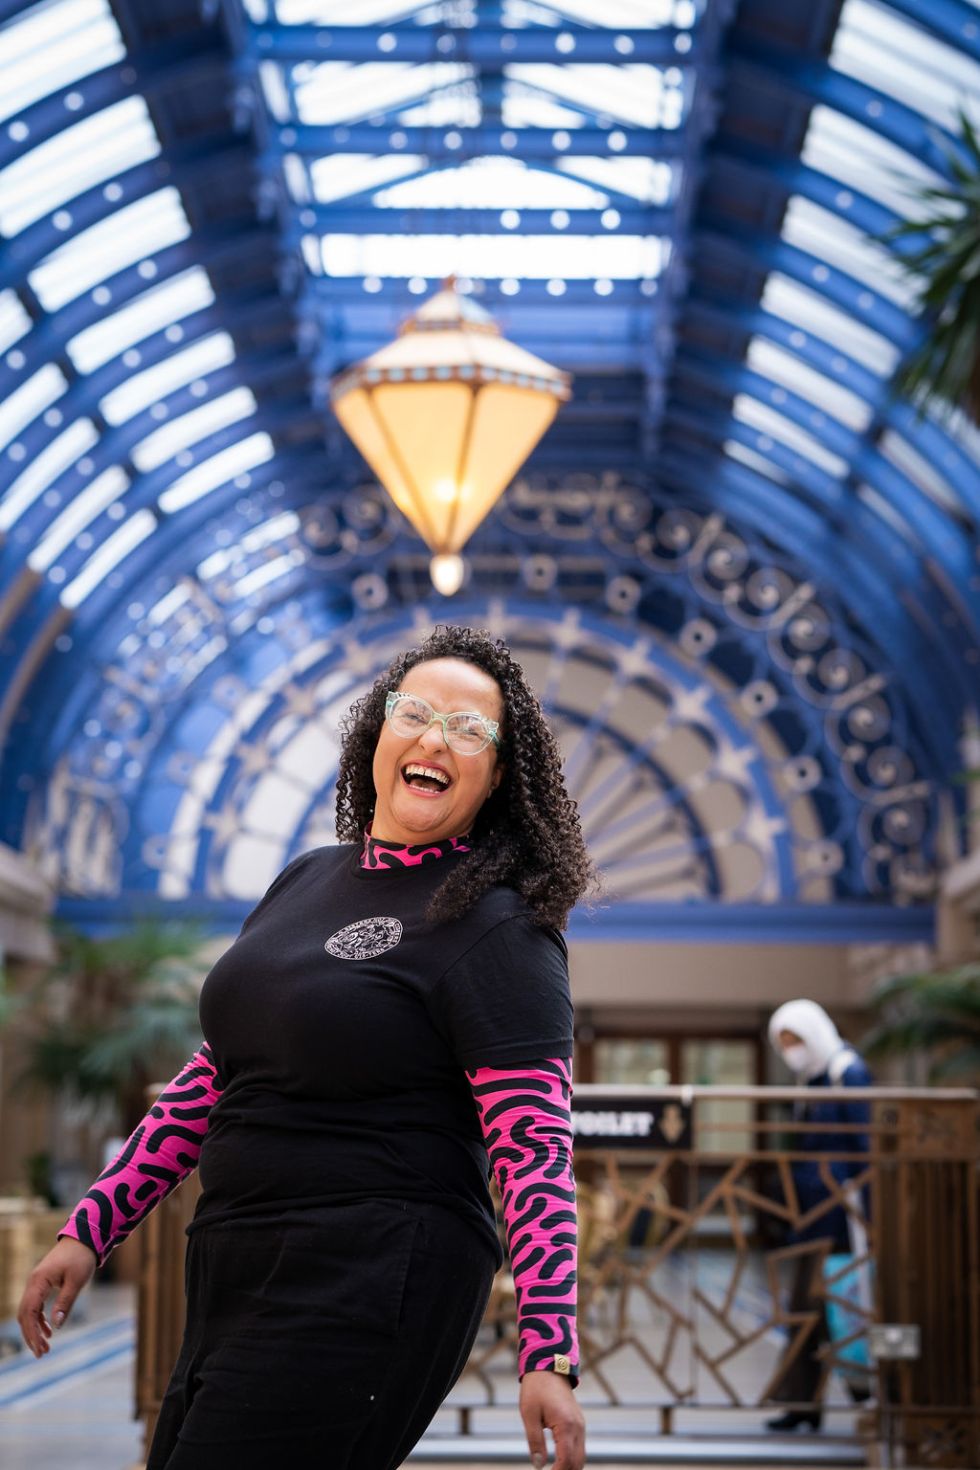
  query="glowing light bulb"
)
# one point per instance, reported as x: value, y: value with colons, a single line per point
x: 447, y: 572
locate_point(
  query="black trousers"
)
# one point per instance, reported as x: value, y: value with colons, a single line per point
x: 802, y: 1382
x: 335, y: 1335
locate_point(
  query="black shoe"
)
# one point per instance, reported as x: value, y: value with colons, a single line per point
x: 793, y: 1419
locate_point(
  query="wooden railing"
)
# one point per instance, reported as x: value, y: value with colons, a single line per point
x: 686, y: 1247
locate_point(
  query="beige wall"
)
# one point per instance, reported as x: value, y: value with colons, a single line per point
x: 695, y: 977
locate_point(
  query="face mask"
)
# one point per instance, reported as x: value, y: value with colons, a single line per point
x: 795, y: 1057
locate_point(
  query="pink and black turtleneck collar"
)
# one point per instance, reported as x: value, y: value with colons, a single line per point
x: 377, y: 855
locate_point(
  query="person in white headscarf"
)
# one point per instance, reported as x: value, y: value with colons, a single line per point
x: 805, y: 1037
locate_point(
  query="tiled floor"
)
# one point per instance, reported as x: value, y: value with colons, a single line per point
x: 72, y: 1409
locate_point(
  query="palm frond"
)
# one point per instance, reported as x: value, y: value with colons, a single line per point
x: 940, y: 250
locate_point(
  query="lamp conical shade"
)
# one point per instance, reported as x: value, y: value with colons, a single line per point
x: 446, y: 414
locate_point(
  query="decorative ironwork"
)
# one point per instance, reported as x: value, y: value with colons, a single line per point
x: 733, y: 746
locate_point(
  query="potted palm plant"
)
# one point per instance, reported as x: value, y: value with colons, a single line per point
x: 113, y: 1014
x: 110, y: 1017
x: 935, y: 1014
x: 939, y: 247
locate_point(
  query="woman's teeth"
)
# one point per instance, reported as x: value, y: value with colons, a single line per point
x: 422, y: 778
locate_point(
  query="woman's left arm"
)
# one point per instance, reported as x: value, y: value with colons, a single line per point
x: 524, y: 1112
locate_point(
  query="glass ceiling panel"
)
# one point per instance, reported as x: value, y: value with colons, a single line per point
x: 619, y: 257
x: 524, y: 108
x: 152, y: 311
x: 641, y: 96
x: 643, y: 179
x: 24, y: 404
x: 889, y: 514
x: 282, y: 524
x: 237, y: 459
x: 770, y: 422
x: 168, y: 440
x: 109, y: 555
x: 74, y: 160
x: 130, y: 234
x: 875, y: 45
x: 625, y: 13
x: 960, y: 428
x: 756, y: 462
x: 782, y: 367
x: 351, y: 173
x: 795, y: 303
x: 338, y: 91
x: 836, y: 243
x: 863, y: 159
x: 44, y: 469
x: 921, y: 472
x: 15, y: 321
x: 81, y: 511
x: 50, y: 46
x: 189, y: 366
x: 491, y: 183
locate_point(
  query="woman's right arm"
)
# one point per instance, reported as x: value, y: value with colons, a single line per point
x: 160, y: 1152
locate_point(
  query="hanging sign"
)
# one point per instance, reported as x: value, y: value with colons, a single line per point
x: 618, y: 1122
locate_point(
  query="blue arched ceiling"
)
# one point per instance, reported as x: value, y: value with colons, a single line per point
x: 207, y: 211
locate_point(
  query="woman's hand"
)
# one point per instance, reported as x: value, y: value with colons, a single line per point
x: 548, y: 1402
x: 66, y: 1269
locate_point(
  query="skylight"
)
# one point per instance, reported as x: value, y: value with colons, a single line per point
x: 25, y: 403
x: 491, y: 257
x: 237, y: 459
x: 158, y: 309
x: 639, y: 96
x: 862, y: 159
x: 920, y: 471
x: 15, y: 321
x: 216, y: 414
x: 491, y: 183
x: 78, y: 514
x: 353, y: 173
x: 826, y: 395
x: 131, y: 234
x: 837, y: 243
x: 647, y: 180
x: 155, y: 383
x: 112, y: 551
x: 75, y: 160
x: 45, y: 468
x: 893, y: 55
x: 775, y: 425
x: 337, y: 91
x: 795, y: 303
x: 50, y: 46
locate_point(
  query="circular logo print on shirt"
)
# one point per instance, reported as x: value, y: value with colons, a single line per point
x: 365, y: 939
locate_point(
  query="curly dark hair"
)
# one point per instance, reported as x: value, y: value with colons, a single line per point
x: 527, y: 833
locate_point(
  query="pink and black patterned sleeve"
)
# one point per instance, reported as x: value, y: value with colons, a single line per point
x: 525, y: 1114
x: 160, y: 1152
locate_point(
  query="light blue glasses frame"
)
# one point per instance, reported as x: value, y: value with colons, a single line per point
x: 452, y: 735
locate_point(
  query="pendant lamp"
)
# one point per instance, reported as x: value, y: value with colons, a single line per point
x: 445, y: 415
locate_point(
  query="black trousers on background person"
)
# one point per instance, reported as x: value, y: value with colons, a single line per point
x: 334, y: 1334
x: 802, y: 1381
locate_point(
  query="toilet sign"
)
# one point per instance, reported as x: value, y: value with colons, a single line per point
x: 618, y: 1122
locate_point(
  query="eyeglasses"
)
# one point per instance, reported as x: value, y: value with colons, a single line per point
x: 465, y: 732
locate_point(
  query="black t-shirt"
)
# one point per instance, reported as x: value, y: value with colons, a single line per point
x: 341, y: 1023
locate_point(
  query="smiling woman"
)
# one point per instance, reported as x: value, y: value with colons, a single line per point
x: 508, y: 795
x: 393, y: 1021
x: 432, y: 773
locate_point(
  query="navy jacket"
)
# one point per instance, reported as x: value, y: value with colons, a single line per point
x: 810, y: 1187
